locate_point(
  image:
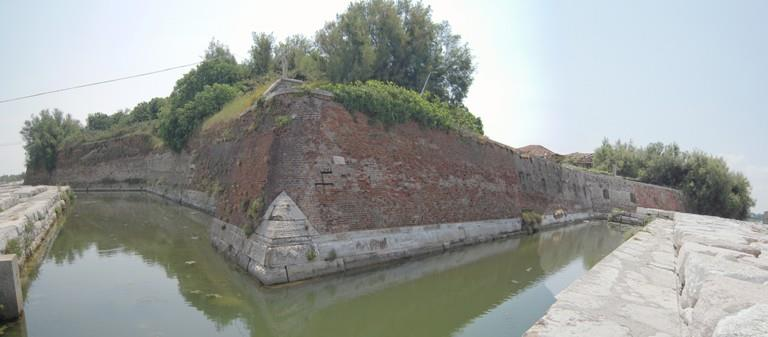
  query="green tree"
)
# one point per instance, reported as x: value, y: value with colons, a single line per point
x: 98, y: 121
x: 146, y: 111
x: 261, y: 54
x: 301, y: 57
x: 664, y: 165
x: 712, y: 189
x: 43, y: 134
x: 219, y: 66
x: 396, y: 42
x: 624, y: 157
x: 707, y: 183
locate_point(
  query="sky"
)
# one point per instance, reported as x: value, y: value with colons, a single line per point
x: 563, y: 74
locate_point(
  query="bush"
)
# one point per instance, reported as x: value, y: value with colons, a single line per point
x: 530, y: 221
x: 391, y: 104
x: 176, y: 125
x: 530, y: 218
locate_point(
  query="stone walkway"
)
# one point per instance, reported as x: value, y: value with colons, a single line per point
x: 691, y: 276
x: 26, y: 214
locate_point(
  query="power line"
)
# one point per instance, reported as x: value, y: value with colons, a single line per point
x: 97, y: 83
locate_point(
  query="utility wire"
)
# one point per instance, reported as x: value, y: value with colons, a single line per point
x: 97, y: 83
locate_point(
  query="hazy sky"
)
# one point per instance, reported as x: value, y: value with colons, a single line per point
x: 564, y: 74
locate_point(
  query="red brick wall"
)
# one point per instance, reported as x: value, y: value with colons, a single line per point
x: 407, y: 175
x: 398, y: 176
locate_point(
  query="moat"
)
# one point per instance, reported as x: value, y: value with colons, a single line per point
x: 131, y: 264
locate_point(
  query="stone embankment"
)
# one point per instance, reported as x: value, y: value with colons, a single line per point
x: 687, y: 275
x: 26, y: 215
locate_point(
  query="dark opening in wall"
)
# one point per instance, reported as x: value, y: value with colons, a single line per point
x: 632, y: 198
x: 605, y: 194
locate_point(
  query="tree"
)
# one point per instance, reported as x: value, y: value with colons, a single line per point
x: 399, y: 43
x: 712, y: 189
x: 146, y: 111
x: 707, y: 183
x: 301, y: 58
x: 261, y: 54
x: 219, y: 66
x: 43, y: 134
x: 624, y: 157
x: 98, y: 121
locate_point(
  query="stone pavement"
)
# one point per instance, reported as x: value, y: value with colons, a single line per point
x: 691, y: 276
x: 26, y: 214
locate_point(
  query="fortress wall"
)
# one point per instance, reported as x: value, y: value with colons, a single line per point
x: 334, y: 191
x: 347, y: 174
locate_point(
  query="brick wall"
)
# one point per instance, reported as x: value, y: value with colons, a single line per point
x: 407, y: 175
x: 346, y: 173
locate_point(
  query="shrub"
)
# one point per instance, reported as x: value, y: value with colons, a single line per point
x: 530, y: 221
x: 255, y: 208
x: 391, y: 104
x: 311, y: 254
x: 176, y: 125
x: 530, y: 218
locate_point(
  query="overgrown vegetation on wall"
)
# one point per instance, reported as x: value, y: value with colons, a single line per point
x: 391, y: 104
x: 709, y: 185
x: 395, y: 42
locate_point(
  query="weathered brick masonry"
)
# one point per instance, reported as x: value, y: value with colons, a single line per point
x: 407, y: 175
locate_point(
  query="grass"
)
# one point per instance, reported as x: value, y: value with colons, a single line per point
x: 255, y: 208
x: 281, y: 121
x: 13, y: 246
x: 234, y: 108
x: 117, y: 131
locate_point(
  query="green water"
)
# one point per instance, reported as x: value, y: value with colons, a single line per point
x: 135, y: 265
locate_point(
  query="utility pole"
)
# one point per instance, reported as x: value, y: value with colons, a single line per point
x: 425, y: 83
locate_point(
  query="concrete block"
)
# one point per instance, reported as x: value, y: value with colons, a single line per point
x: 11, y: 304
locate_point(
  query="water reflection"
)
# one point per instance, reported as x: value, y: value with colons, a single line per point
x: 135, y: 265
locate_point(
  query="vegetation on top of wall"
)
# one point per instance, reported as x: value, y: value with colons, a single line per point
x: 710, y: 187
x: 391, y: 104
x: 385, y: 40
x: 175, y: 125
x: 235, y: 107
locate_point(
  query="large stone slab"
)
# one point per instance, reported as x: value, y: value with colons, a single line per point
x: 697, y: 276
x: 631, y: 292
